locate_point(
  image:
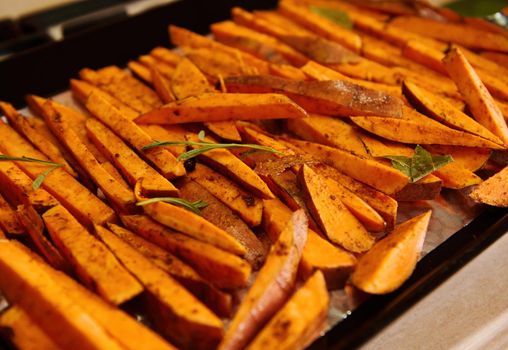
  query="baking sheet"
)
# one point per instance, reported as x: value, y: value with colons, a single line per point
x: 451, y: 211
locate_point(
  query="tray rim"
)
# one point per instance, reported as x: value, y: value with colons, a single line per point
x: 64, y: 59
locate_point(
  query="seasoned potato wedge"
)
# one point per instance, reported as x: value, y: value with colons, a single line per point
x: 493, y: 190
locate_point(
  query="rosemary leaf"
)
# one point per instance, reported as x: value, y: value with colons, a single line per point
x: 192, y: 206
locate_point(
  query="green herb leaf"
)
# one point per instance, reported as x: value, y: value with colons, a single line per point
x: 336, y: 16
x: 420, y: 165
x: 195, y: 207
x: 475, y: 8
x: 206, y: 146
x: 42, y: 176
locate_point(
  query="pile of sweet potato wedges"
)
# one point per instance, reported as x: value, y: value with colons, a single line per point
x: 221, y: 190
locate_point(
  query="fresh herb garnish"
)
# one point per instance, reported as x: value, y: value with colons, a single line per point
x: 336, y: 16
x: 420, y: 165
x: 206, y: 146
x: 195, y: 207
x: 42, y: 176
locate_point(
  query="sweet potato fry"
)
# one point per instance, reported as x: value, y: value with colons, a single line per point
x: 37, y: 133
x: 119, y: 195
x: 141, y: 71
x: 167, y: 132
x: 221, y: 216
x: 93, y: 262
x: 68, y: 191
x: 223, y: 269
x: 135, y: 136
x: 338, y: 98
x: 34, y: 226
x: 189, y: 81
x: 272, y: 286
x: 193, y: 225
x: 414, y: 132
x: 385, y: 205
x: 383, y: 178
x: 216, y: 300
x: 319, y: 72
x: 8, y: 220
x: 128, y: 162
x: 81, y: 90
x: 340, y: 226
x: 165, y: 70
x: 248, y: 207
x: 166, y: 55
x: 441, y: 110
x: 18, y: 326
x: 456, y: 33
x: 299, y: 321
x: 226, y: 130
x: 25, y: 283
x: 215, y: 64
x: 500, y: 58
x: 321, y: 25
x: 481, y: 103
x: 258, y: 44
x: 328, y: 131
x: 392, y: 260
x: 493, y: 190
x: 220, y: 107
x: 161, y: 86
x: 17, y: 188
x: 184, y: 37
x: 318, y: 254
x: 180, y: 316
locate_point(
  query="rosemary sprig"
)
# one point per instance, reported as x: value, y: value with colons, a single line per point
x: 195, y: 207
x: 42, y: 176
x: 206, y: 146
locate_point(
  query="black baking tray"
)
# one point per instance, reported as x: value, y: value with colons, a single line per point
x: 46, y: 71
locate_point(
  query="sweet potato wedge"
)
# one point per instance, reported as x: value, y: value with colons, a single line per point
x: 221, y: 107
x: 383, y: 178
x: 81, y: 90
x: 414, y: 132
x: 93, y: 262
x: 166, y: 55
x: 161, y: 86
x: 189, y: 81
x: 248, y: 207
x: 321, y: 25
x: 456, y: 33
x: 385, y: 205
x: 339, y: 225
x: 272, y: 286
x: 180, y: 316
x: 392, y: 260
x: 318, y: 254
x: 258, y: 44
x: 218, y: 301
x: 67, y: 190
x: 128, y: 162
x: 223, y: 269
x: 167, y: 132
x: 17, y: 188
x: 166, y: 71
x: 19, y: 328
x: 500, y: 58
x: 427, y: 56
x: 441, y: 110
x: 299, y: 321
x: 481, y: 103
x: 338, y: 98
x: 225, y: 162
x: 493, y: 190
x: 193, y: 225
x: 328, y: 131
x: 183, y: 37
x: 222, y: 217
x: 119, y: 195
x: 8, y: 220
x: 469, y: 158
x: 34, y: 226
x: 319, y: 72
x: 134, y: 135
x: 142, y: 72
x: 25, y: 283
x: 226, y: 130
